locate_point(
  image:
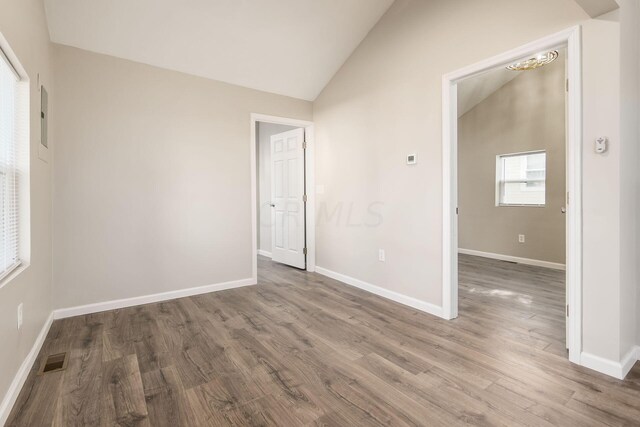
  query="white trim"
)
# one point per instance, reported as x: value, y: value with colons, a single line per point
x: 310, y: 185
x: 509, y: 258
x: 630, y: 359
x: 13, y: 273
x: 385, y: 293
x: 609, y: 367
x: 572, y: 39
x: 264, y: 253
x: 19, y: 379
x: 574, y: 188
x: 62, y: 313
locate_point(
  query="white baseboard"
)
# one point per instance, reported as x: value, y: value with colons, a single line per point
x: 630, y: 359
x: 527, y: 261
x: 609, y: 367
x: 21, y: 376
x: 394, y: 296
x: 147, y: 299
x: 264, y: 253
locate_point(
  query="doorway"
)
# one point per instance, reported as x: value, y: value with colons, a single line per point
x: 570, y: 41
x: 282, y: 178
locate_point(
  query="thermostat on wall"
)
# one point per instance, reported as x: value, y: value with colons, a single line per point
x: 412, y: 159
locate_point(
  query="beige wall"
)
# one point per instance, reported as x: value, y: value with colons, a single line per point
x: 526, y: 114
x: 601, y: 190
x: 385, y: 102
x: 264, y: 133
x: 630, y: 199
x: 152, y: 182
x: 635, y: 38
x: 22, y: 23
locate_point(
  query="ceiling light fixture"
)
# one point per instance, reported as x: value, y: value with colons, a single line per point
x: 535, y: 62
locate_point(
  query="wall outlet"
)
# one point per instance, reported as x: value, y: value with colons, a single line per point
x: 381, y: 255
x: 19, y: 316
x: 520, y: 238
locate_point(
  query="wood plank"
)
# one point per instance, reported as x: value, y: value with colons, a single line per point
x: 304, y: 349
x: 123, y: 400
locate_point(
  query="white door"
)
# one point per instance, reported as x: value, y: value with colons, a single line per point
x: 287, y: 203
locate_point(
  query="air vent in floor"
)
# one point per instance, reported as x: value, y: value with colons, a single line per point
x: 54, y: 363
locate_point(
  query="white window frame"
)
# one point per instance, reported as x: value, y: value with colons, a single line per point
x: 500, y: 181
x: 22, y: 164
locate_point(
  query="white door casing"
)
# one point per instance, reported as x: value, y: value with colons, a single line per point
x: 287, y: 198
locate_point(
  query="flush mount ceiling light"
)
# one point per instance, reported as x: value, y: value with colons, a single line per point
x: 535, y: 62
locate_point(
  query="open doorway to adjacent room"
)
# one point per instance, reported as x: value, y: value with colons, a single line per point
x: 512, y: 196
x: 282, y: 160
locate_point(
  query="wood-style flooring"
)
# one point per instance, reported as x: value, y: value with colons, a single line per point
x: 302, y: 349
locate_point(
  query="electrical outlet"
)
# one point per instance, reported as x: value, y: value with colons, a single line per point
x: 381, y: 255
x: 520, y: 238
x: 19, y: 316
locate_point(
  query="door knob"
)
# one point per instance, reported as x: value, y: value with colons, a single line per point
x: 563, y: 210
x: 272, y: 205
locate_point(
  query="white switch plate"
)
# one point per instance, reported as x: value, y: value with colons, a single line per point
x: 19, y: 316
x: 381, y: 255
x: 521, y: 238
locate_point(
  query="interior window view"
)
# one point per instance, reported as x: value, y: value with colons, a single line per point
x: 319, y: 213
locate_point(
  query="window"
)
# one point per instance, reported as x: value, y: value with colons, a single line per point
x: 521, y: 179
x: 9, y: 135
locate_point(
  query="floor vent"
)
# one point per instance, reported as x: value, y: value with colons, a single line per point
x: 54, y: 363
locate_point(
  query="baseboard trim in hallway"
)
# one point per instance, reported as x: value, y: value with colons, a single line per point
x: 609, y: 367
x: 21, y: 376
x: 526, y: 261
x: 385, y: 293
x: 148, y: 299
x: 264, y: 253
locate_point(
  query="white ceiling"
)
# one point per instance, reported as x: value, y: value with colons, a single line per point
x: 288, y: 47
x: 598, y: 7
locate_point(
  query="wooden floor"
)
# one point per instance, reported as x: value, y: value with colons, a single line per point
x: 302, y: 349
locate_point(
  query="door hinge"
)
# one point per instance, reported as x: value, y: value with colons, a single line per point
x: 567, y: 197
x: 567, y: 85
x: 304, y: 251
x: 457, y: 211
x: 567, y: 310
x: 304, y: 198
x: 304, y: 145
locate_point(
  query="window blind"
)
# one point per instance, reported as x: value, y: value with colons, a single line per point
x: 521, y: 179
x: 8, y: 167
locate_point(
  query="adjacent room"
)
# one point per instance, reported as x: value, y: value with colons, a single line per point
x: 319, y: 212
x: 281, y: 172
x: 511, y: 198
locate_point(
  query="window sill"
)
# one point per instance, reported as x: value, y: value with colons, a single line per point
x: 520, y: 206
x: 12, y: 274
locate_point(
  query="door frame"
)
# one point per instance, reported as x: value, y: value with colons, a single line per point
x: 310, y: 182
x: 571, y: 39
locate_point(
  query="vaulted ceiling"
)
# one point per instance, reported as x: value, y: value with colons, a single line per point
x: 288, y: 47
x: 473, y: 91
